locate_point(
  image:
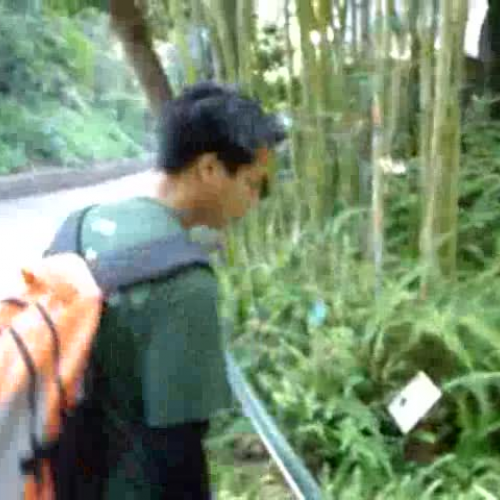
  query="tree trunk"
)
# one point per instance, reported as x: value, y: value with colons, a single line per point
x: 412, y: 110
x: 313, y: 96
x: 365, y: 27
x: 246, y: 42
x: 439, y: 232
x: 205, y: 64
x: 426, y: 99
x: 215, y: 39
x: 355, y: 28
x: 345, y: 177
x: 334, y: 66
x: 413, y: 7
x: 378, y: 151
x: 294, y: 138
x: 128, y: 22
x: 224, y: 17
x: 448, y: 201
x: 182, y: 38
x: 366, y: 139
x: 306, y: 20
x: 328, y: 74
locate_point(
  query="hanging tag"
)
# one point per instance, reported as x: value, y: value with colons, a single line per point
x: 414, y: 402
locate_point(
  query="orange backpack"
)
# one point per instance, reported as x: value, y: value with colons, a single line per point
x: 47, y: 330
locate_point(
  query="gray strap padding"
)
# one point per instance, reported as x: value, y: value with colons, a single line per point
x: 158, y: 259
x: 114, y: 270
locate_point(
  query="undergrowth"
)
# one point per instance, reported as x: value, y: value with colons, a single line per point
x: 327, y: 355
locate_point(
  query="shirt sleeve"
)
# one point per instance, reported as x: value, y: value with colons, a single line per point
x: 184, y: 373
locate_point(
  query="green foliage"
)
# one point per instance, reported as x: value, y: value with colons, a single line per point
x: 72, y: 7
x: 327, y: 356
x: 270, y: 66
x: 479, y: 192
x: 65, y: 95
x: 480, y: 189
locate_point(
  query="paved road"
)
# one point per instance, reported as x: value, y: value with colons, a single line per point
x: 27, y: 225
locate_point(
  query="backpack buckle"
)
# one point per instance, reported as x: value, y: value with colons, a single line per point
x: 32, y: 466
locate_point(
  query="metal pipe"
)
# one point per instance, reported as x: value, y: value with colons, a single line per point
x: 295, y: 473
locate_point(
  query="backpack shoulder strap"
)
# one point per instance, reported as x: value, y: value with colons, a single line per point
x: 158, y: 259
x: 68, y: 237
x: 118, y: 269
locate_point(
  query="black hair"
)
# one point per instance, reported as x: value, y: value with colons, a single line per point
x: 213, y: 118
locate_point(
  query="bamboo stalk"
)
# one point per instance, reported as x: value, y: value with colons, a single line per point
x: 355, y: 31
x: 378, y: 149
x: 294, y: 139
x: 328, y: 73
x: 410, y: 106
x: 346, y: 180
x: 365, y: 26
x: 337, y: 82
x: 215, y: 38
x: 441, y: 189
x: 246, y: 42
x: 448, y: 202
x: 366, y: 143
x: 433, y: 168
x: 223, y: 14
x: 181, y: 32
x: 313, y: 95
x: 426, y: 64
x: 305, y: 15
x: 413, y: 7
x: 396, y: 99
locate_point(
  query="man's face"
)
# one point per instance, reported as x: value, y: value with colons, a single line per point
x: 246, y: 190
x: 236, y: 194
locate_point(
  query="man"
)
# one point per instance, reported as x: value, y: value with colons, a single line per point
x: 160, y: 342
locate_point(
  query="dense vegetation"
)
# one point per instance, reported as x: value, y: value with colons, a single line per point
x: 331, y: 310
x: 65, y: 95
x: 327, y: 355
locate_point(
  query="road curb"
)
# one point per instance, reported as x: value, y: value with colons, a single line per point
x: 50, y: 180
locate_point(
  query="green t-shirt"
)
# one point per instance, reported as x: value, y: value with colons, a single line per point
x: 160, y: 342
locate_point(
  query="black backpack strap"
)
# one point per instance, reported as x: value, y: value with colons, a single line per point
x: 68, y: 237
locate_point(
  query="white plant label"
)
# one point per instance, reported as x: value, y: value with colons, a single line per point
x: 414, y: 402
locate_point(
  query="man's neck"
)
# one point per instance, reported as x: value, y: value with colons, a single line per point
x: 174, y: 194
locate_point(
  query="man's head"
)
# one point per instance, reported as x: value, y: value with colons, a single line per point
x: 214, y: 144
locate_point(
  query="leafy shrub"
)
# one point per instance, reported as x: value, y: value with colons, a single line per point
x: 65, y: 96
x: 327, y: 356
